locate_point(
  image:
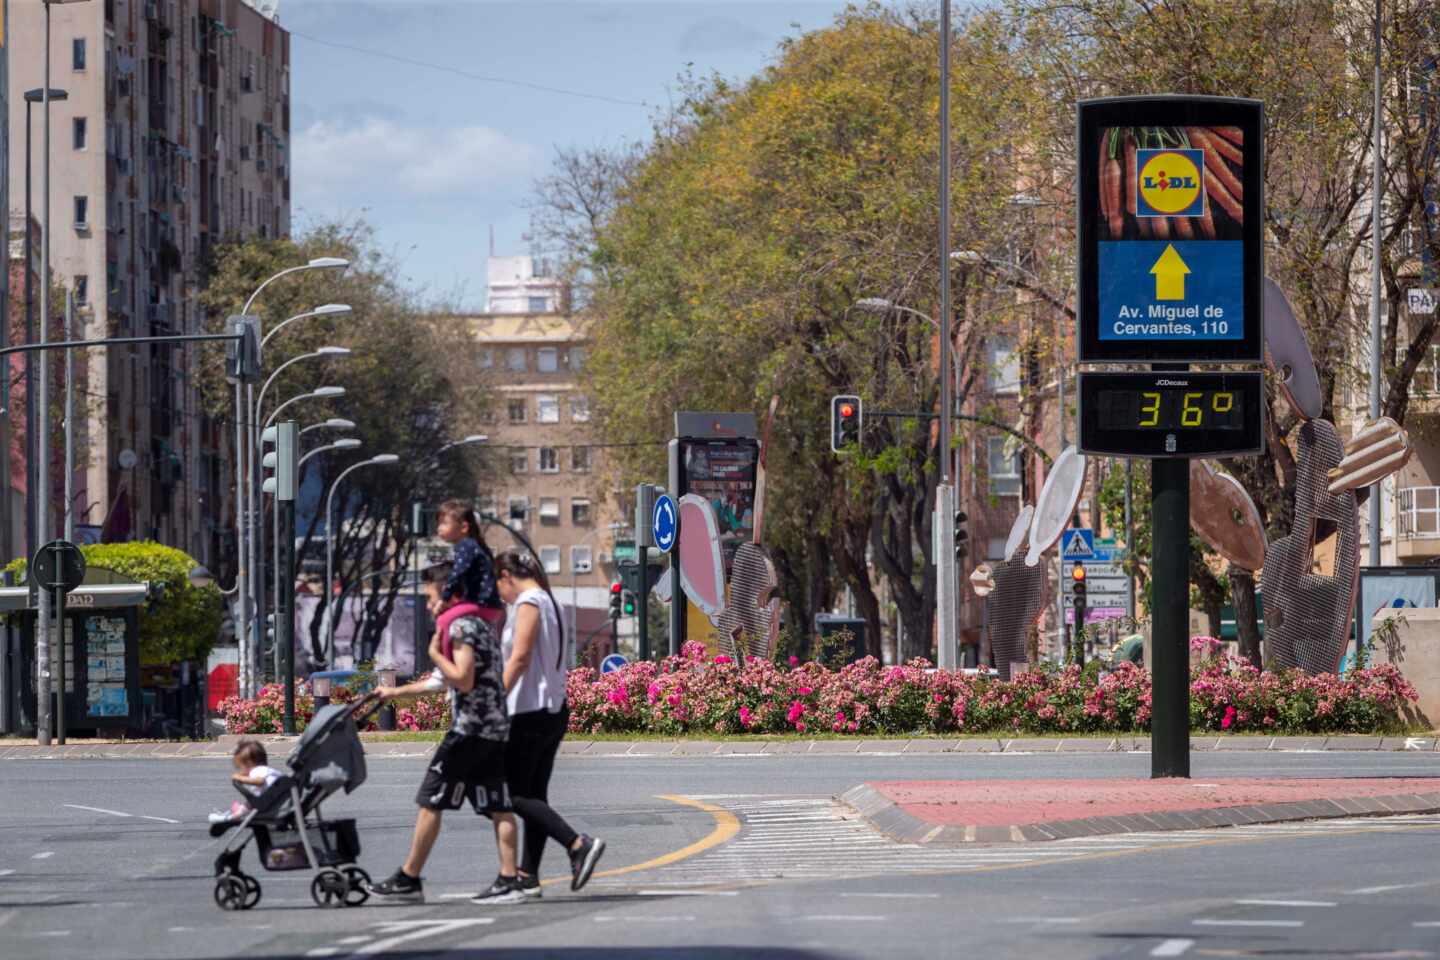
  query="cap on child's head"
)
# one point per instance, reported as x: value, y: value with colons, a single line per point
x: 251, y: 753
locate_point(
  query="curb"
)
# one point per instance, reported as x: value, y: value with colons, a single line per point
x: 223, y: 745
x: 886, y: 816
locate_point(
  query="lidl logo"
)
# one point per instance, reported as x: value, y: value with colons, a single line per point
x: 1171, y: 183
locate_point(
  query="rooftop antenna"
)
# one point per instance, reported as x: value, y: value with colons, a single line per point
x: 492, y: 239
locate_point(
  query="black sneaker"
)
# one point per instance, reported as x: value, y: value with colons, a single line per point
x: 503, y: 890
x: 399, y: 887
x: 530, y: 886
x: 583, y: 860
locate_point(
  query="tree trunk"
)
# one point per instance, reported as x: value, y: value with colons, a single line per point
x: 1247, y: 626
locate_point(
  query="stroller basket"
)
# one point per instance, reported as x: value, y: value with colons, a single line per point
x: 334, y: 841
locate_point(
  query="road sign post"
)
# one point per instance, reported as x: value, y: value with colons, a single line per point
x: 58, y: 568
x: 1170, y: 273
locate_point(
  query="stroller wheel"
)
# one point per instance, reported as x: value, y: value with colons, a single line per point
x: 252, y: 891
x: 329, y: 888
x: 359, y: 886
x: 230, y: 893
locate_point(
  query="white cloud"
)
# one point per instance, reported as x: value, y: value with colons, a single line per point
x: 352, y: 160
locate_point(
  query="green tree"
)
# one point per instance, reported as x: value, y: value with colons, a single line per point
x: 413, y: 383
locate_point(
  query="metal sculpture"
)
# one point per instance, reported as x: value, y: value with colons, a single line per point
x: 1014, y: 589
x: 1310, y: 576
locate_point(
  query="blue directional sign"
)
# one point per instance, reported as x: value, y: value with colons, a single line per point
x: 664, y: 523
x: 1078, y: 543
x: 1167, y: 290
x: 612, y: 663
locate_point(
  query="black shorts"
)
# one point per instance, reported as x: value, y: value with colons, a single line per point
x: 466, y: 768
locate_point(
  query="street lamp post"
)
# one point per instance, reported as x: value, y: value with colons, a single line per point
x: 375, y: 461
x: 334, y: 423
x: 244, y: 461
x: 41, y: 494
x: 324, y: 310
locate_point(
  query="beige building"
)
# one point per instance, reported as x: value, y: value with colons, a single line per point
x: 550, y: 472
x: 173, y: 138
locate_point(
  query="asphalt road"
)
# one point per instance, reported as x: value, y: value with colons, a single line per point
x: 739, y: 859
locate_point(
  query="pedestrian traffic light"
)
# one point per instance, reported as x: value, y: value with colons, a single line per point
x: 962, y: 547
x: 627, y: 604
x: 846, y: 417
x: 616, y: 600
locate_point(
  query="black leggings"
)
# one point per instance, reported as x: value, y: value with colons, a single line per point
x: 529, y: 758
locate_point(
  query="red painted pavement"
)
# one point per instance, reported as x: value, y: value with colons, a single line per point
x: 1002, y: 803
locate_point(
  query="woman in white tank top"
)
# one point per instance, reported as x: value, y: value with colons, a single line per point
x: 535, y: 671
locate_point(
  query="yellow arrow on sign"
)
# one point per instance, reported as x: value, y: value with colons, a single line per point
x: 1170, y: 273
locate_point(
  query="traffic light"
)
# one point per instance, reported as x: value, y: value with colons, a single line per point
x: 1077, y: 593
x: 961, y: 536
x: 617, y: 599
x: 242, y: 356
x: 280, y: 463
x: 627, y: 604
x: 846, y: 417
x: 1077, y: 583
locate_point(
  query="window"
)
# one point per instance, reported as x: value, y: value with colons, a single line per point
x: 539, y: 304
x: 580, y: 459
x: 77, y: 127
x: 1004, y: 469
x: 519, y: 460
x: 580, y: 559
x: 580, y: 409
x: 547, y: 408
x: 517, y: 508
x: 515, y: 359
x: 82, y: 288
x: 549, y: 460
x: 486, y: 358
x: 1004, y: 365
x: 580, y: 512
x: 77, y: 53
x: 489, y: 507
x: 547, y: 360
x: 577, y: 358
x: 550, y: 511
x: 550, y: 559
x: 516, y: 409
x: 82, y: 212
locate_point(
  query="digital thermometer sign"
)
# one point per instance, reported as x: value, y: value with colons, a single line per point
x: 1181, y: 414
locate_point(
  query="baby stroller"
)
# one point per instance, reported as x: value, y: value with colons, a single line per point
x: 286, y: 823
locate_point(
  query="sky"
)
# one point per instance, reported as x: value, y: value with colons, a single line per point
x: 393, y: 120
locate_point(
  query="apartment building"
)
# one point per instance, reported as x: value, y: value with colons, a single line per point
x: 172, y: 138
x: 551, y: 476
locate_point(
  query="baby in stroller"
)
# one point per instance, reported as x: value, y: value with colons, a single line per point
x: 251, y: 770
x: 285, y: 820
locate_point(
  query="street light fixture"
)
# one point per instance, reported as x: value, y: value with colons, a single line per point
x: 348, y: 443
x: 334, y: 423
x: 324, y: 310
x: 383, y: 459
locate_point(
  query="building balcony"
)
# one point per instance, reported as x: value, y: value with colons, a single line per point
x: 1419, y: 524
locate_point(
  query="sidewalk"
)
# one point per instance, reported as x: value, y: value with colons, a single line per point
x: 739, y: 747
x: 1007, y: 811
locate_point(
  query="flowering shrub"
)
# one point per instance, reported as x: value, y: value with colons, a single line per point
x: 693, y: 693
x: 266, y: 713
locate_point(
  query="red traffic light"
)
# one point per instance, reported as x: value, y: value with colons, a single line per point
x: 615, y: 588
x: 847, y: 410
x: 1077, y: 573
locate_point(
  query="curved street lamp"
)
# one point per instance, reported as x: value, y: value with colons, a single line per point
x: 383, y: 459
x: 334, y: 423
x: 348, y: 443
x: 324, y: 310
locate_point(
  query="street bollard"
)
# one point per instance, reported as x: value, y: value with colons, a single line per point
x: 320, y: 687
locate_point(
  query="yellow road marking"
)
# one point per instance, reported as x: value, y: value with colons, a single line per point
x: 726, y: 826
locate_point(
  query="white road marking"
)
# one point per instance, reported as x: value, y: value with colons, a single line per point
x: 1174, y: 947
x: 1248, y: 923
x: 610, y: 918
x: 1040, y: 920
x: 1426, y: 923
x: 1386, y: 888
x: 145, y: 816
x: 896, y: 896
x: 687, y: 893
x: 43, y: 855
x: 51, y: 933
x: 351, y: 941
x: 322, y: 952
x: 834, y: 917
x: 416, y: 930
x: 81, y: 806
x: 1286, y: 903
x: 6, y: 873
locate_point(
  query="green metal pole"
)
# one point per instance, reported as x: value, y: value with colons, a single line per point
x: 285, y: 603
x: 1169, y: 645
x: 641, y: 604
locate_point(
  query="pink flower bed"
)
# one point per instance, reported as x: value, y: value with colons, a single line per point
x: 692, y: 693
